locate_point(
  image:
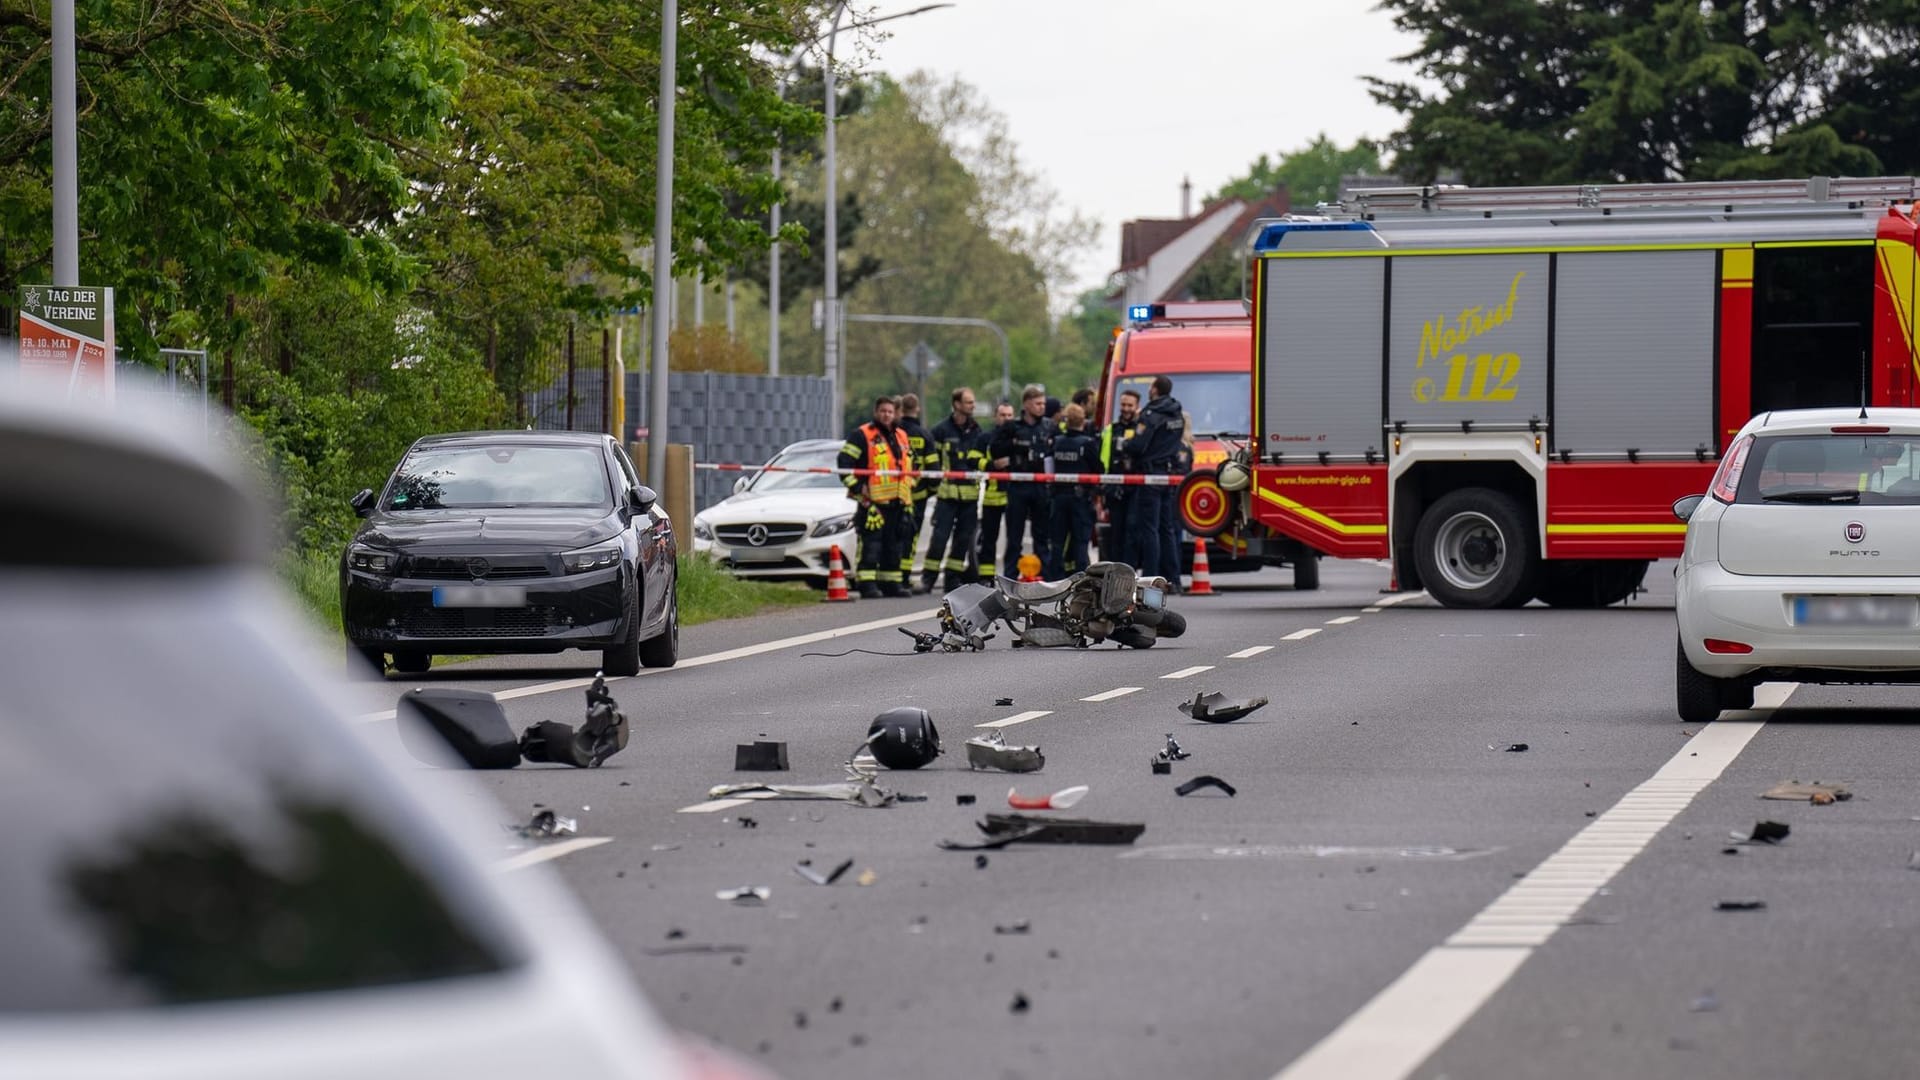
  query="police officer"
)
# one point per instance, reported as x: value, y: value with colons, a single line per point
x: 1072, y: 519
x: 885, y: 500
x: 920, y: 446
x: 1025, y: 445
x: 1119, y: 499
x: 1174, y: 527
x: 959, y: 446
x: 993, y: 503
x: 1155, y: 450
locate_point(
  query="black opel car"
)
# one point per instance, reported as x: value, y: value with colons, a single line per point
x: 512, y: 542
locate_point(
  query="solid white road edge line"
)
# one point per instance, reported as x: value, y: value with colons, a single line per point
x: 1302, y: 635
x: 1245, y: 653
x: 693, y: 661
x: 551, y: 851
x: 1109, y: 695
x: 1187, y: 672
x: 1419, y: 1011
x: 1016, y: 718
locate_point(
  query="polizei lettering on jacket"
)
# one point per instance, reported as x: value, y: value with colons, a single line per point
x: 1486, y: 376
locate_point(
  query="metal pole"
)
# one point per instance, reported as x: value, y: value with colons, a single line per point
x: 1006, y: 352
x: 832, y: 360
x: 662, y: 245
x: 66, y: 185
x: 773, y: 275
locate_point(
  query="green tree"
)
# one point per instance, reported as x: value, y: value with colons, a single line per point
x: 1564, y: 91
x: 1311, y: 174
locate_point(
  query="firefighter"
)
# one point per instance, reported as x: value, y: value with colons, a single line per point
x: 1025, y: 444
x: 923, y: 456
x: 959, y: 446
x: 885, y: 500
x: 993, y: 503
x: 1113, y: 459
x: 1072, y: 506
x: 1155, y: 450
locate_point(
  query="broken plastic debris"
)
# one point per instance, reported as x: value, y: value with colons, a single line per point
x: 1708, y: 1001
x: 545, y: 825
x: 471, y: 722
x: 859, y: 792
x: 603, y: 735
x: 1004, y: 829
x: 1020, y: 1003
x: 1003, y: 701
x: 1199, y: 782
x: 980, y: 860
x: 695, y: 947
x: 963, y: 800
x: 1018, y: 926
x: 760, y: 756
x: 1059, y: 800
x: 990, y: 751
x: 748, y: 823
x: 1741, y: 905
x: 1818, y: 794
x: 1516, y: 748
x: 1173, y: 751
x: 1160, y: 765
x: 807, y: 871
x: 745, y: 895
x: 1217, y: 708
x: 1768, y: 832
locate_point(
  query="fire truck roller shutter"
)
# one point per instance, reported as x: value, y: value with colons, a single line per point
x: 1468, y: 339
x: 1320, y: 356
x: 1633, y: 351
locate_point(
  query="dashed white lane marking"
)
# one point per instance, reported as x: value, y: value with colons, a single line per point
x: 551, y: 851
x: 1016, y: 718
x: 1188, y: 672
x: 716, y: 805
x: 1418, y: 1012
x: 694, y: 661
x: 1371, y: 610
x: 1343, y: 620
x: 1400, y: 598
x: 1302, y: 635
x: 1253, y: 651
x: 1109, y: 695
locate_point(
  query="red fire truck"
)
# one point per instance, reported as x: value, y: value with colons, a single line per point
x: 1206, y: 348
x: 1504, y: 390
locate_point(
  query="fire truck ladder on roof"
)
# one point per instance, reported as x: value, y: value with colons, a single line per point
x: 1833, y: 193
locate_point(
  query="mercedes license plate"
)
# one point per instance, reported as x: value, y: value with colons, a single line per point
x: 1854, y: 610
x: 759, y: 554
x: 495, y: 596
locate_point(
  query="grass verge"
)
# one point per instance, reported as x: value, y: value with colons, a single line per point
x: 707, y: 592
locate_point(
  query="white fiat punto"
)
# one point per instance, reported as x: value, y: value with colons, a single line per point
x: 1802, y: 561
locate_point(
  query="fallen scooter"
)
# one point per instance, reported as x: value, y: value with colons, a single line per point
x: 1107, y: 601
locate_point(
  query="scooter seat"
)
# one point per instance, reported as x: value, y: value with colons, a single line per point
x: 1034, y: 591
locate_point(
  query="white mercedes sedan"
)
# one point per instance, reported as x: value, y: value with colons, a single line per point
x: 782, y: 525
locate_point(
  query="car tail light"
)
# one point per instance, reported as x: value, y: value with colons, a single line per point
x: 1725, y: 647
x: 1727, y: 480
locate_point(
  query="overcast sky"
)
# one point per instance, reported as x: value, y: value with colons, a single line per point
x: 1114, y: 101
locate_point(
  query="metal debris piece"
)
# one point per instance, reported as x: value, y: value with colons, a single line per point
x: 1742, y: 904
x: 1217, y: 708
x: 807, y: 871
x: 745, y: 895
x: 545, y: 825
x: 990, y: 751
x: 603, y: 735
x: 963, y: 800
x: 695, y: 947
x: 1769, y: 832
x: 1018, y: 926
x: 1199, y: 782
x: 1004, y: 829
x: 1817, y: 794
x: 1003, y: 701
x: 862, y: 792
x: 759, y: 756
x: 1173, y: 751
x: 1059, y: 800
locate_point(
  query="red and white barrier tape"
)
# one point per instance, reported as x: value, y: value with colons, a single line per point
x: 1155, y: 480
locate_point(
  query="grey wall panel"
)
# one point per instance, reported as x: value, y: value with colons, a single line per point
x: 1468, y: 339
x: 1320, y: 386
x: 1633, y: 351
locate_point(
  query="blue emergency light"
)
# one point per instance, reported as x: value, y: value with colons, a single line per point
x: 1145, y: 312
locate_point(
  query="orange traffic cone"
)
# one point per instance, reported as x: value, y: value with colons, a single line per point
x: 1029, y: 566
x: 836, y: 576
x: 1202, y: 576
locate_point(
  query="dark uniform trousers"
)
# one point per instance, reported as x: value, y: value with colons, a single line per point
x: 1027, y: 505
x: 955, y: 518
x: 881, y: 527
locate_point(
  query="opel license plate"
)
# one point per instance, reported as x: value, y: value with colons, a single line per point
x: 487, y: 596
x: 1854, y: 610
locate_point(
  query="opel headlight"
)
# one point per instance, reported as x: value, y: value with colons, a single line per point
x: 370, y: 560
x: 834, y: 525
x: 702, y: 530
x: 594, y: 558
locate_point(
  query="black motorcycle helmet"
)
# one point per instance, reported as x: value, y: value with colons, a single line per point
x: 903, y: 738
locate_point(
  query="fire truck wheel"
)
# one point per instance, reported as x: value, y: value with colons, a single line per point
x: 1589, y: 583
x: 1306, y: 573
x: 1475, y: 549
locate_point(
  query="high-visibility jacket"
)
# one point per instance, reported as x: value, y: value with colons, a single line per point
x: 959, y: 449
x: 869, y: 446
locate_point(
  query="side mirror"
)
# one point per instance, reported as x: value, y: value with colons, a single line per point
x: 641, y: 497
x: 362, y: 502
x: 1684, y: 506
x: 740, y: 485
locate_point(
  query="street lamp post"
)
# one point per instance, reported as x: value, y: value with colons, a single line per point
x: 662, y: 245
x: 66, y: 156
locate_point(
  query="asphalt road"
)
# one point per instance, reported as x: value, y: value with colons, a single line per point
x: 1391, y: 893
